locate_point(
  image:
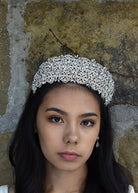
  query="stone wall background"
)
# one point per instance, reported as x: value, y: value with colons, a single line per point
x: 100, y: 29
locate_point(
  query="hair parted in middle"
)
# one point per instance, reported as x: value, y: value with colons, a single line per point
x: 104, y: 173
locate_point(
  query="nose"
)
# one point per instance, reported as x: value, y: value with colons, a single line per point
x: 71, y: 136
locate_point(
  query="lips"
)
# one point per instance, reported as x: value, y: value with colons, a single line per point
x: 69, y: 156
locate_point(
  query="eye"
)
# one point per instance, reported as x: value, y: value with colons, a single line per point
x: 88, y: 123
x: 55, y: 119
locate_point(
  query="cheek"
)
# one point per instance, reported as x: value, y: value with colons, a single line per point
x: 49, y: 139
x: 43, y: 143
x: 89, y: 142
x: 90, y: 145
x: 46, y: 145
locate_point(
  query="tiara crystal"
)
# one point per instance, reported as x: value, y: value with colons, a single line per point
x: 80, y: 70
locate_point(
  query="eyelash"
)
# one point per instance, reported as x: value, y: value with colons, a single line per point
x: 92, y: 123
x: 55, y: 119
x: 52, y: 119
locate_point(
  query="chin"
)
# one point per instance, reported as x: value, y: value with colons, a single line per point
x: 69, y: 166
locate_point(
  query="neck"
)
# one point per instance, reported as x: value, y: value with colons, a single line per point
x: 61, y: 181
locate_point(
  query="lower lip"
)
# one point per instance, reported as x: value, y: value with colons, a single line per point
x: 69, y: 157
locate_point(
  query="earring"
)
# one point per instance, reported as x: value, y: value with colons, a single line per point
x: 97, y: 143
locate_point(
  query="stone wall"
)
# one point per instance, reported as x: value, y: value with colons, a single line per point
x: 33, y: 30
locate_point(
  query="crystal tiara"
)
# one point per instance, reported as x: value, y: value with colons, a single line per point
x: 79, y: 70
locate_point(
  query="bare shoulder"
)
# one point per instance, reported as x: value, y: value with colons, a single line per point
x: 11, y: 189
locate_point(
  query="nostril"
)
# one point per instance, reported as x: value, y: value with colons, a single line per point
x: 71, y: 140
x: 68, y: 142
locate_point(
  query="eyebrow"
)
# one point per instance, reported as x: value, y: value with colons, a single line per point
x: 88, y: 115
x: 65, y: 113
x: 57, y: 110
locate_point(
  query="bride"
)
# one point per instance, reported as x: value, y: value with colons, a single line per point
x: 63, y: 141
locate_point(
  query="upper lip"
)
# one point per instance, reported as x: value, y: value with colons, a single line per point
x: 69, y: 153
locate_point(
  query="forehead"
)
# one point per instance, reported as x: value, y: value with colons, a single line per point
x: 71, y: 97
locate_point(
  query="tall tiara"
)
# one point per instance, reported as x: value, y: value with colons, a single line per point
x: 79, y: 70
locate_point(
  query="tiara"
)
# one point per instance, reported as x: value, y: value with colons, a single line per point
x: 80, y: 70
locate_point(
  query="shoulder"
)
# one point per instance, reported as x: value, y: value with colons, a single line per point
x: 131, y: 189
x: 4, y: 189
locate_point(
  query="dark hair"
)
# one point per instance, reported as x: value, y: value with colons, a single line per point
x: 105, y: 175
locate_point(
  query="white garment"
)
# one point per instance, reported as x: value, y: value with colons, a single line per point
x: 130, y: 189
x: 4, y: 189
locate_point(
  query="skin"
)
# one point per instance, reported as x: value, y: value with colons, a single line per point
x: 67, y: 120
x: 11, y: 189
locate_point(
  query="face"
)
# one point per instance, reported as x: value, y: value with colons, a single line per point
x: 68, y: 123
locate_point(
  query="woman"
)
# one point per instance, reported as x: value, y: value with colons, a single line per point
x: 63, y: 141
